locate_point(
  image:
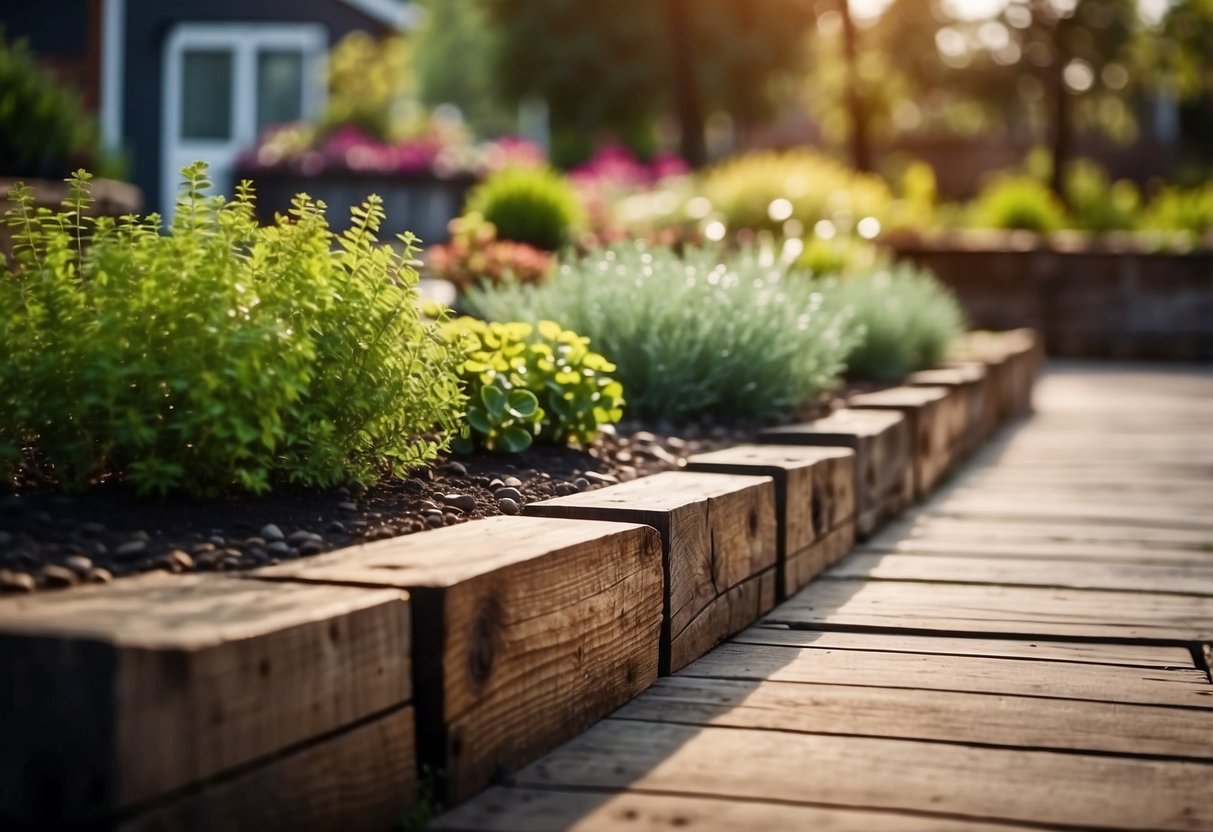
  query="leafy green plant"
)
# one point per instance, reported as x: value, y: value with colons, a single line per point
x: 1097, y: 203
x: 1174, y: 208
x: 45, y: 126
x: 837, y: 255
x: 908, y: 320
x: 533, y: 382
x: 536, y: 206
x: 1018, y: 202
x: 764, y: 190
x: 219, y: 354
x: 733, y: 335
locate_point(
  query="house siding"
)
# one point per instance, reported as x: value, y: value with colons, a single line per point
x: 149, y: 23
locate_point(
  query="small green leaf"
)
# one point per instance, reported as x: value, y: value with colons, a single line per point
x: 494, y: 400
x: 514, y: 439
x: 522, y: 404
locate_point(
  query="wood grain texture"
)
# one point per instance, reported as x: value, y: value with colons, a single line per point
x: 1129, y: 655
x: 534, y: 628
x: 1177, y: 687
x: 884, y: 474
x: 940, y: 716
x: 540, y: 810
x: 717, y: 530
x: 1184, y: 580
x: 972, y: 423
x: 1009, y: 610
x: 155, y: 683
x: 364, y: 778
x: 982, y: 783
x: 814, y: 501
x: 929, y: 412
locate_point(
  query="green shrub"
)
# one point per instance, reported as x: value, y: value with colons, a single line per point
x: 908, y: 319
x: 1018, y: 202
x: 529, y: 383
x: 220, y: 354
x: 744, y: 190
x: 1174, y: 208
x: 45, y: 128
x: 537, y: 206
x: 692, y: 334
x: 1097, y: 203
x: 838, y: 255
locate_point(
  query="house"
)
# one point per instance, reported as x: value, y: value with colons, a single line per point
x: 176, y: 81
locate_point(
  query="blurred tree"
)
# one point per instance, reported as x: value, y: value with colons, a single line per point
x: 618, y: 65
x: 454, y: 57
x: 371, y: 84
x: 1182, y: 49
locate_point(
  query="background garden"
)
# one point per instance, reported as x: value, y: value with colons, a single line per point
x: 675, y: 215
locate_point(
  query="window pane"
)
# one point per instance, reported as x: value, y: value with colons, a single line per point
x: 206, y: 94
x: 279, y: 87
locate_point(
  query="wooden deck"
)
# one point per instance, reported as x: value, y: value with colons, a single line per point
x: 1028, y: 650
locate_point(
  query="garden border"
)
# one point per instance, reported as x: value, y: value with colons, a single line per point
x: 529, y: 629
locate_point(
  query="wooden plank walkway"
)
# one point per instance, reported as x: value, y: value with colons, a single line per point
x: 1028, y: 650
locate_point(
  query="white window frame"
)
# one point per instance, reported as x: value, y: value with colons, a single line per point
x: 244, y: 41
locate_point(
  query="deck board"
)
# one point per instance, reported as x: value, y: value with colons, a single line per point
x: 1027, y: 649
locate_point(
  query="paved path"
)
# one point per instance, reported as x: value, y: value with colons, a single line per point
x: 1028, y: 650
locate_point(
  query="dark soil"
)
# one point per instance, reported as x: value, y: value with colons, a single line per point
x: 52, y: 540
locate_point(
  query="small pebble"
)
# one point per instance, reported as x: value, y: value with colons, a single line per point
x: 510, y: 493
x: 343, y: 492
x: 79, y: 564
x: 451, y: 519
x: 512, y: 482
x: 434, y: 521
x: 464, y: 502
x: 131, y: 549
x: 100, y: 575
x: 58, y: 577
x: 348, y: 506
x: 564, y: 489
x: 217, y: 541
x: 496, y: 483
x: 455, y: 469
x: 311, y: 547
x: 16, y: 581
x: 623, y: 456
x: 92, y: 529
x: 336, y: 527
x: 601, y: 479
x: 178, y: 561
x: 255, y: 543
x: 205, y: 561
x: 507, y: 505
x: 581, y: 483
x: 280, y: 549
x: 271, y: 532
x: 202, y: 548
x: 677, y: 443
x: 142, y: 535
x: 302, y: 536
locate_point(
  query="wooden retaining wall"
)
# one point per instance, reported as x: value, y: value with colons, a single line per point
x: 314, y: 694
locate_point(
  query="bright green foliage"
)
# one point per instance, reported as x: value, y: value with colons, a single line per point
x: 908, y: 319
x: 528, y: 383
x: 1097, y: 203
x: 838, y: 255
x: 219, y: 355
x: 744, y: 191
x: 1175, y: 208
x: 44, y: 126
x: 692, y: 334
x: 537, y: 206
x: 1018, y: 202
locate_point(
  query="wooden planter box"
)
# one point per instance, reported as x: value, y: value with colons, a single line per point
x: 969, y: 423
x: 930, y: 412
x: 529, y: 630
x: 1012, y: 360
x: 884, y: 472
x: 718, y: 542
x: 419, y: 203
x: 814, y: 503
x: 169, y: 702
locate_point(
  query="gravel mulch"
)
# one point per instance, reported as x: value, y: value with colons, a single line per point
x: 55, y: 541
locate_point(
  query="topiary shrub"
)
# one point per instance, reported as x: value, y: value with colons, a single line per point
x: 907, y: 317
x: 703, y: 332
x: 1018, y: 202
x: 529, y: 383
x: 536, y: 206
x: 217, y: 355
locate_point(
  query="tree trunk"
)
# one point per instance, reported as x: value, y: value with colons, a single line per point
x: 1062, y: 129
x: 686, y: 87
x: 861, y: 156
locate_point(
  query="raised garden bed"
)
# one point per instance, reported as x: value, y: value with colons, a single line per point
x: 492, y: 641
